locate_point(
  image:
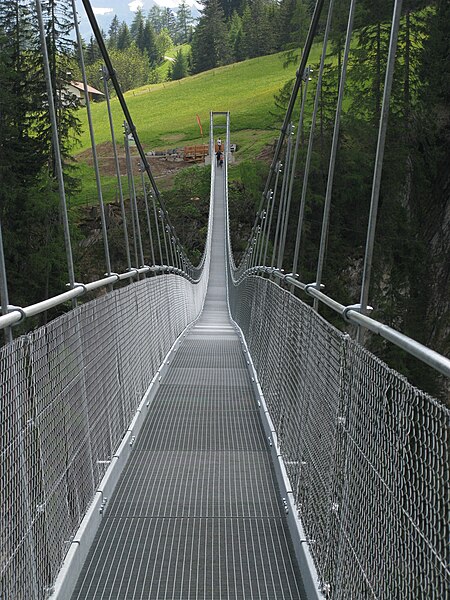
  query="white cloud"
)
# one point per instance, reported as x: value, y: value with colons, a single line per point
x: 135, y: 5
x: 175, y: 3
x: 102, y: 11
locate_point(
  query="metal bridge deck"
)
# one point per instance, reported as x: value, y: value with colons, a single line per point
x: 196, y: 514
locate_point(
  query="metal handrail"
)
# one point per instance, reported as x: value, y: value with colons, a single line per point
x: 16, y: 314
x: 352, y: 314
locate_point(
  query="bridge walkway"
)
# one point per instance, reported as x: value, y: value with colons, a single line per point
x: 196, y: 513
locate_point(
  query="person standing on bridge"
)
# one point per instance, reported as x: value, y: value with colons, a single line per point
x: 219, y: 144
x: 218, y: 156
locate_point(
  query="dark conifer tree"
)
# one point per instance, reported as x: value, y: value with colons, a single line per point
x: 230, y: 6
x: 113, y: 32
x: 372, y: 21
x: 210, y: 46
x: 124, y: 38
x: 257, y: 30
x: 29, y: 202
x: 179, y: 68
x: 147, y: 43
x: 291, y: 22
x: 235, y: 37
x: 92, y: 51
x: 58, y: 18
x: 170, y: 22
x: 138, y: 24
x: 184, y: 23
x: 155, y: 17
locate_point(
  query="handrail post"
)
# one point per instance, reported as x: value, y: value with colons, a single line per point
x: 4, y: 288
x: 378, y: 167
x: 93, y: 144
x: 56, y: 148
x: 117, y: 166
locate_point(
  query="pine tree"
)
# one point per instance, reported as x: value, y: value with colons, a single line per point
x: 20, y: 156
x: 147, y: 43
x: 366, y: 74
x: 338, y: 31
x: 113, y: 32
x: 163, y: 43
x: 235, y: 37
x: 92, y: 51
x: 169, y: 22
x: 179, y: 67
x: 155, y: 18
x: 184, y: 23
x: 210, y: 41
x: 291, y: 23
x: 137, y: 24
x: 231, y: 6
x: 257, y: 31
x: 124, y: 38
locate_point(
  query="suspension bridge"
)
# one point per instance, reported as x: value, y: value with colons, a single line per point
x: 203, y: 433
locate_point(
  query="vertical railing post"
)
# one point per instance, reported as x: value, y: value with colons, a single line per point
x: 164, y: 230
x: 155, y: 213
x: 56, y: 148
x: 307, y: 79
x: 288, y: 193
x: 272, y: 199
x: 312, y: 129
x: 280, y: 208
x: 130, y: 190
x: 134, y: 201
x: 117, y: 167
x: 170, y: 236
x: 149, y: 225
x: 334, y: 147
x: 4, y: 297
x: 378, y: 167
x: 93, y: 144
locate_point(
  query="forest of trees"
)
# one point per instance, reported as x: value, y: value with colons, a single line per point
x: 137, y: 49
x: 413, y: 235
x: 29, y: 201
x: 233, y: 30
x: 226, y: 32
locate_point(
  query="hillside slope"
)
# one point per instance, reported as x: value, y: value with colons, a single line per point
x: 165, y: 114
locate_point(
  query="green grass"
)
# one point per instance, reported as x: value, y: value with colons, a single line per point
x: 163, y: 69
x: 165, y: 114
x: 88, y: 196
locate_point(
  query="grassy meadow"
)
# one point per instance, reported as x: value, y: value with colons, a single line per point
x: 165, y: 114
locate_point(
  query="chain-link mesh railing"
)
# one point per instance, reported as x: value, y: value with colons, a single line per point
x: 366, y: 452
x: 68, y: 393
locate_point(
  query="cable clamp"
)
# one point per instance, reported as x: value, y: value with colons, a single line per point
x: 133, y: 269
x: 314, y: 285
x: 80, y: 285
x: 19, y: 309
x: 116, y: 275
x: 356, y: 308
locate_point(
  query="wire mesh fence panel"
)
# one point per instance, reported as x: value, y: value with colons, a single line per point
x: 366, y: 452
x: 69, y: 391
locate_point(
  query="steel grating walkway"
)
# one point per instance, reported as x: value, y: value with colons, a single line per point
x: 196, y: 513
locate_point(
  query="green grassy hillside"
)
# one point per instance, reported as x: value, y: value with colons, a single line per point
x: 163, y: 69
x: 165, y: 114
